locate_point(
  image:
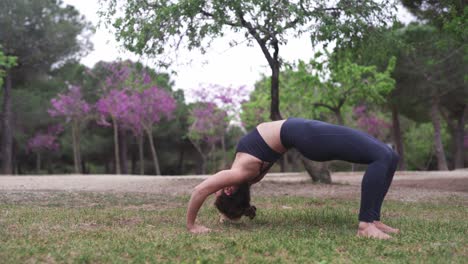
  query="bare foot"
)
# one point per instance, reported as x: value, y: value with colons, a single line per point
x: 385, y: 228
x: 371, y: 231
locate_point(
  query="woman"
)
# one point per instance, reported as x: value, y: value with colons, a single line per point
x: 258, y: 150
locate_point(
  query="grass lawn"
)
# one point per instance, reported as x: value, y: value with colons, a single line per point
x: 86, y: 227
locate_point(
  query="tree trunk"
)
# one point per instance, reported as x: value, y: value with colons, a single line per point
x: 397, y: 137
x: 116, y: 150
x: 83, y: 166
x: 339, y: 117
x: 133, y: 163
x: 106, y: 167
x: 38, y: 162
x: 141, y: 154
x: 459, y: 139
x: 78, y: 148
x: 123, y: 149
x: 439, y: 148
x: 14, y: 159
x: 181, y: 161
x: 75, y: 142
x: 317, y: 171
x: 203, y: 164
x: 7, y: 130
x: 19, y: 170
x: 285, y: 163
x: 153, y: 151
x: 223, y: 149
x: 274, y: 108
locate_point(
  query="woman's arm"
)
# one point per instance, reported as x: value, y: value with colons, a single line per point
x: 214, y: 183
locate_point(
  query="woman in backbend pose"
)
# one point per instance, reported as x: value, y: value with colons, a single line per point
x: 316, y: 140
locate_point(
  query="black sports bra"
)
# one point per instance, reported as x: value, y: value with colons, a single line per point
x: 255, y: 145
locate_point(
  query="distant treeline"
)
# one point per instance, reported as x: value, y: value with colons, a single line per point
x: 404, y: 84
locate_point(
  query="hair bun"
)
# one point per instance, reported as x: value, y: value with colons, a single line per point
x: 250, y: 212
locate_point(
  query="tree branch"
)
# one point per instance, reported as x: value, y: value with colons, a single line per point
x: 227, y: 22
x: 324, y: 105
x: 254, y: 33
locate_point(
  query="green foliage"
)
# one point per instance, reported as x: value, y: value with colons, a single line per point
x: 320, y: 87
x: 41, y: 33
x: 419, y: 145
x: 6, y: 62
x: 437, y: 12
x: 345, y: 82
x: 156, y: 27
x: 293, y: 98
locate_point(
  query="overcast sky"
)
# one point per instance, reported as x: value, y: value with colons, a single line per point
x: 222, y: 65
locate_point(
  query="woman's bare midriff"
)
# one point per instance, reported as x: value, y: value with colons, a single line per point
x: 270, y: 132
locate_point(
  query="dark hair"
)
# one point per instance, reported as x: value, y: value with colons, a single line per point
x: 237, y: 204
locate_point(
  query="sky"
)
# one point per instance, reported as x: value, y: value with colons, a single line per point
x: 236, y: 66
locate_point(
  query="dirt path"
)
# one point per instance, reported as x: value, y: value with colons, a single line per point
x: 408, y: 186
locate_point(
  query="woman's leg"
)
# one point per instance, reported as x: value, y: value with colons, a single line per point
x: 388, y: 182
x: 320, y: 141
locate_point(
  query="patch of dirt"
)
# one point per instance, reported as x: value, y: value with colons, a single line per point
x: 158, y: 192
x: 456, y: 185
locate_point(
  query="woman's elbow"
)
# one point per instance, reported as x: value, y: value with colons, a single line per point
x: 200, y: 191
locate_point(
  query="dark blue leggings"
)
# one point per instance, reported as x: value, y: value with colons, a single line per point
x: 320, y: 141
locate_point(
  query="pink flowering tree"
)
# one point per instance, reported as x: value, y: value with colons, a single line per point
x: 131, y: 121
x: 136, y: 91
x: 224, y: 104
x: 371, y: 123
x: 137, y: 111
x: 148, y: 108
x: 112, y: 107
x: 43, y: 142
x: 208, y: 126
x: 75, y: 111
x: 227, y: 98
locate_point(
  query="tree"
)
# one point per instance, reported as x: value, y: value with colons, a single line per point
x: 448, y: 20
x: 75, y: 110
x: 437, y: 12
x: 436, y: 69
x: 131, y: 82
x: 208, y: 127
x: 114, y: 105
x: 229, y: 100
x: 138, y: 110
x: 40, y: 33
x: 375, y: 50
x: 154, y: 27
x: 42, y: 142
x: 6, y: 62
x: 343, y: 83
x: 371, y: 123
x: 151, y: 105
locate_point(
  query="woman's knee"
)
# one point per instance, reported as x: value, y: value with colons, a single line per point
x: 389, y: 156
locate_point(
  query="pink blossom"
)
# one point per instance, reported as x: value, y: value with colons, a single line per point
x: 70, y: 105
x: 48, y: 141
x: 209, y: 123
x: 136, y: 110
x: 114, y: 104
x: 372, y: 124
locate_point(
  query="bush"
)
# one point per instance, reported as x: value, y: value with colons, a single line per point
x: 419, y: 146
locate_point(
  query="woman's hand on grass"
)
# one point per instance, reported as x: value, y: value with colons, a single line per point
x: 199, y: 229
